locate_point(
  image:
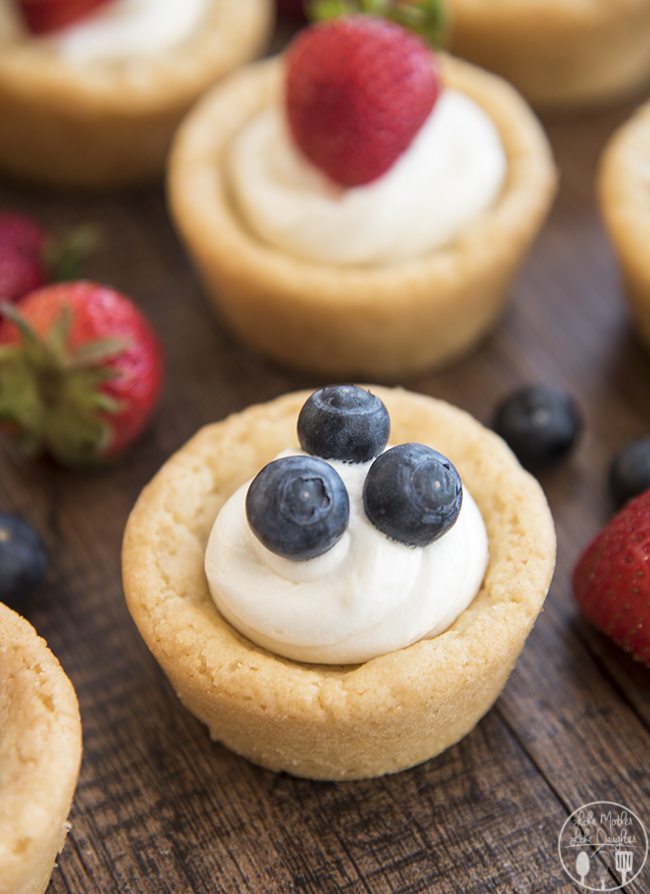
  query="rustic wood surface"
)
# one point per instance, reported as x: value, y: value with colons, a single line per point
x: 160, y: 808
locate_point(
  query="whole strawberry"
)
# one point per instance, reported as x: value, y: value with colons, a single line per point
x: 80, y: 372
x: 43, y: 16
x: 358, y: 90
x: 611, y: 581
x: 22, y: 256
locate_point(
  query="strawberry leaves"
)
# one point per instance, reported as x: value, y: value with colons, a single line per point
x: 65, y: 256
x: 426, y: 18
x: 52, y: 396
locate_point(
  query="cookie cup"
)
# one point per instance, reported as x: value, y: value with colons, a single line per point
x: 334, y: 722
x: 344, y: 322
x: 559, y: 53
x: 40, y: 752
x: 104, y: 124
x: 624, y: 191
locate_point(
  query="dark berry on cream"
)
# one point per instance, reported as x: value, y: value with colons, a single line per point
x: 629, y: 473
x: 298, y: 507
x: 344, y: 422
x: 539, y: 423
x: 23, y: 560
x: 413, y: 494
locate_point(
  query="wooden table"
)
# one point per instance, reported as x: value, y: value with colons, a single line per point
x: 160, y: 808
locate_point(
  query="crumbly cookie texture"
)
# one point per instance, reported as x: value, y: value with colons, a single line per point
x: 624, y: 190
x: 345, y: 722
x: 40, y: 752
x: 559, y: 53
x: 110, y: 124
x: 382, y: 322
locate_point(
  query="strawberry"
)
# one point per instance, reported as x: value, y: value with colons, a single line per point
x: 80, y: 372
x: 611, y: 581
x: 22, y: 256
x: 43, y: 16
x: 358, y: 90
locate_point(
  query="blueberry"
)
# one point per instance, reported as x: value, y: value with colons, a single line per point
x: 23, y: 560
x: 413, y: 494
x: 298, y: 507
x: 539, y: 423
x: 629, y: 473
x: 344, y: 422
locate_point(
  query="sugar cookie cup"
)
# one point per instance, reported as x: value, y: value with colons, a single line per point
x: 624, y: 192
x: 40, y: 752
x: 367, y: 322
x: 104, y: 124
x: 559, y: 53
x: 334, y: 722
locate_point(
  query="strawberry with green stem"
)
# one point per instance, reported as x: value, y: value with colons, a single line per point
x: 80, y: 372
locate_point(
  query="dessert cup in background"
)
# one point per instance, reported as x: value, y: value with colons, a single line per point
x: 98, y: 109
x: 40, y: 752
x: 334, y: 721
x: 624, y: 192
x: 367, y: 321
x: 562, y: 53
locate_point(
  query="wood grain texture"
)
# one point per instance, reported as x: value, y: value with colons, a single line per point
x: 159, y: 807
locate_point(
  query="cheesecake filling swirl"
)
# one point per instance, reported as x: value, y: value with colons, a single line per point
x: 365, y: 597
x: 451, y: 174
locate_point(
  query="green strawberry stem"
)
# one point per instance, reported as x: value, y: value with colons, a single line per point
x: 65, y: 256
x: 427, y: 18
x: 52, y: 396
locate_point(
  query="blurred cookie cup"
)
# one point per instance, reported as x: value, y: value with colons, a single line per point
x: 561, y: 55
x: 624, y: 192
x: 95, y: 104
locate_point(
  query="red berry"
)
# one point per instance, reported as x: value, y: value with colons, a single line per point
x: 42, y: 16
x: 358, y: 90
x: 611, y: 581
x: 92, y: 385
x: 22, y: 232
x: 22, y: 249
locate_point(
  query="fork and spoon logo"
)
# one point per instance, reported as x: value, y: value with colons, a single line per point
x: 603, y: 846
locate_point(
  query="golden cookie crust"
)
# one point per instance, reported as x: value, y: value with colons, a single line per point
x: 362, y: 322
x: 624, y: 192
x: 108, y: 124
x: 559, y: 53
x: 325, y: 722
x: 40, y: 752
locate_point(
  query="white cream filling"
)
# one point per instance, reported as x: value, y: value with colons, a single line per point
x: 365, y: 597
x: 452, y: 173
x: 120, y: 29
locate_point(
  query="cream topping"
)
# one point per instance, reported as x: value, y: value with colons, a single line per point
x: 452, y: 172
x: 365, y: 597
x: 121, y: 29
